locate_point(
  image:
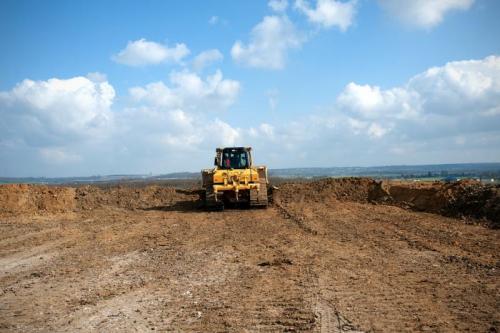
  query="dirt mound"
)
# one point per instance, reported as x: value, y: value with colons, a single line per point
x: 331, y: 189
x: 474, y: 200
x: 23, y: 199
x: 419, y: 197
x: 91, y: 197
x: 464, y: 198
x: 19, y: 199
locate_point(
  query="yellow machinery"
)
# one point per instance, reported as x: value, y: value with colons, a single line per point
x: 235, y: 179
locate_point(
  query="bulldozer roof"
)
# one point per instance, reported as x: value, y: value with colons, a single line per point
x: 237, y: 148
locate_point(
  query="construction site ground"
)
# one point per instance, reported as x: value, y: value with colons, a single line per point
x: 326, y: 256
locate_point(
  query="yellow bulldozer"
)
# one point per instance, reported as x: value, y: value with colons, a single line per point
x: 234, y: 179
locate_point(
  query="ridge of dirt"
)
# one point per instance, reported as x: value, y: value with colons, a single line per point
x: 92, y: 197
x: 459, y: 199
x: 16, y: 199
x: 27, y: 200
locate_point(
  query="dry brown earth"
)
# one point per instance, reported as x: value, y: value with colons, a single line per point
x: 342, y: 255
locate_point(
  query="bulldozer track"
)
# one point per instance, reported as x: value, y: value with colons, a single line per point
x: 297, y: 219
x: 259, y: 198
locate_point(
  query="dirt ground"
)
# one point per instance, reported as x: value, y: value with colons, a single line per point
x: 330, y: 256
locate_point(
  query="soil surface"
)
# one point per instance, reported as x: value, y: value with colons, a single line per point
x: 347, y: 255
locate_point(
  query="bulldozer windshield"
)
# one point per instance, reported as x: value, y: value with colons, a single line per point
x: 234, y: 159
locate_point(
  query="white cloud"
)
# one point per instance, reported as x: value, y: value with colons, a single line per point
x: 267, y: 129
x: 97, y: 77
x: 424, y: 13
x: 357, y: 126
x: 494, y: 111
x: 263, y: 131
x: 57, y: 155
x: 190, y: 91
x: 57, y: 109
x: 371, y: 129
x: 435, y: 107
x: 270, y: 41
x: 202, y: 133
x: 142, y: 52
x: 372, y: 102
x: 278, y: 6
x: 329, y: 13
x: 178, y: 116
x: 158, y: 94
x: 220, y: 133
x: 213, y: 20
x: 206, y: 58
x: 363, y: 99
x: 214, y: 90
x: 458, y: 87
x: 272, y: 96
x: 376, y: 130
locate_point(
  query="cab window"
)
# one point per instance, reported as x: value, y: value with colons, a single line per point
x: 234, y: 159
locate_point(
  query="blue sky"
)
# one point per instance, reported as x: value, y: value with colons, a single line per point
x: 101, y: 87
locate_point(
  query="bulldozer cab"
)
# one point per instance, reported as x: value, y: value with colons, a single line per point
x: 233, y: 158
